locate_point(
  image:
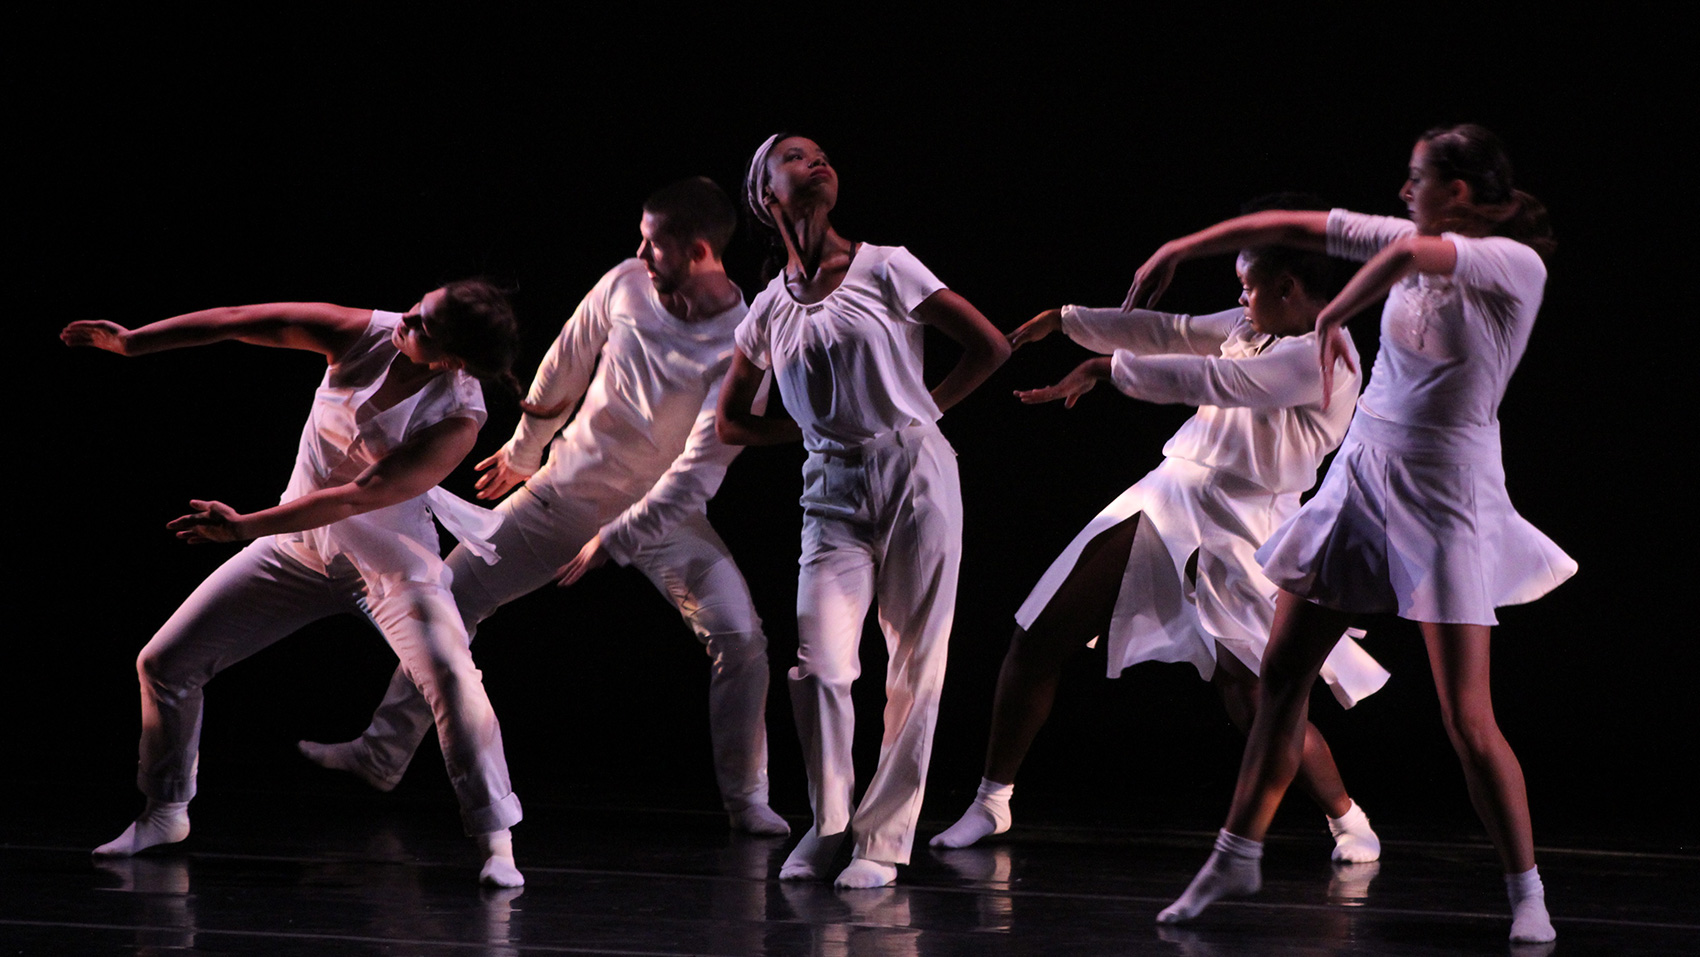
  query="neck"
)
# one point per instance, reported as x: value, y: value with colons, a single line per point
x: 809, y: 240
x: 702, y: 294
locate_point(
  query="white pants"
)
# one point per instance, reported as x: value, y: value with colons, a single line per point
x: 692, y: 567
x: 883, y: 522
x: 261, y: 595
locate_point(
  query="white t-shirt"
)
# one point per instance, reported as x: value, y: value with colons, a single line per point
x: 642, y: 443
x: 1448, y: 343
x: 849, y: 366
x: 1259, y: 396
x: 344, y: 436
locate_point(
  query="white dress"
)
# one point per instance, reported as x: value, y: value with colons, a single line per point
x: 1413, y: 516
x: 882, y: 519
x: 1229, y: 477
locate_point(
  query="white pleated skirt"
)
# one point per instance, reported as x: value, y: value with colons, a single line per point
x: 1415, y: 521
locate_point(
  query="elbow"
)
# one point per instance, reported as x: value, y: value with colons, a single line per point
x: 999, y: 352
x: 729, y: 432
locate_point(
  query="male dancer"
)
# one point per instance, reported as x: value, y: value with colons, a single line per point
x: 628, y: 478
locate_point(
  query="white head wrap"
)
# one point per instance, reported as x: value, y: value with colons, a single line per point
x: 755, y: 183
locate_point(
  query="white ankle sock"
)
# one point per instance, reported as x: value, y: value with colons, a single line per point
x: 161, y: 822
x: 1354, y: 840
x: 988, y: 815
x: 1234, y: 869
x: 499, y: 867
x: 342, y: 756
x: 759, y: 819
x: 1529, y: 921
x: 863, y: 874
x: 809, y: 859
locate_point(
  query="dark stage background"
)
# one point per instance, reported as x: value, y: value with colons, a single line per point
x: 174, y: 162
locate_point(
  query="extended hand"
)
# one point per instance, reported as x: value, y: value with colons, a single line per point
x: 1151, y: 280
x: 500, y: 476
x: 96, y: 334
x: 1332, y: 346
x: 1036, y: 328
x: 1074, y: 385
x: 210, y: 522
x: 592, y: 555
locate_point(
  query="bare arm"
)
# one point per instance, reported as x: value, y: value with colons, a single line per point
x: 735, y: 418
x: 1302, y: 228
x: 313, y: 326
x: 1395, y: 261
x: 983, y: 346
x: 405, y: 473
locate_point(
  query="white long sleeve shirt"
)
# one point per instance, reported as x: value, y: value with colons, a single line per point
x: 1259, y: 396
x: 642, y: 442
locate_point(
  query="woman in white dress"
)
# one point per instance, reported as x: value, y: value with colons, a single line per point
x: 841, y: 328
x: 1413, y: 516
x: 1166, y: 572
x: 398, y: 409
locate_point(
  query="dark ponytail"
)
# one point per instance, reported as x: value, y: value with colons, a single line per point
x: 1473, y: 153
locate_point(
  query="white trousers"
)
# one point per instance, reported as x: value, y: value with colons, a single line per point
x: 261, y: 595
x: 882, y: 523
x: 692, y: 567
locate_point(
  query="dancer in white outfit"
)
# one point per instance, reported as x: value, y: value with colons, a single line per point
x: 1166, y: 572
x: 396, y: 412
x: 841, y: 329
x: 1413, y: 516
x: 628, y: 477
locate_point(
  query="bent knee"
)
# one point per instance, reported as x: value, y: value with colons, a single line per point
x: 736, y: 647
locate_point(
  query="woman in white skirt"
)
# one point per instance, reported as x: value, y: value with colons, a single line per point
x: 1413, y: 516
x: 1166, y: 572
x: 841, y: 328
x: 398, y: 409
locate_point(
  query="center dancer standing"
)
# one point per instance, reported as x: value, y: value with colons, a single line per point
x: 882, y: 511
x: 628, y: 478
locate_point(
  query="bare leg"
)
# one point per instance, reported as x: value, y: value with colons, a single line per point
x: 1027, y: 682
x: 1458, y: 655
x: 1318, y: 776
x: 1355, y: 841
x: 1299, y: 641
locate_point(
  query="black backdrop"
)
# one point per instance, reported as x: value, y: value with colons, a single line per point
x: 178, y: 161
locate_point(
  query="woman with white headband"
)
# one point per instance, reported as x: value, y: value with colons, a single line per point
x: 841, y: 328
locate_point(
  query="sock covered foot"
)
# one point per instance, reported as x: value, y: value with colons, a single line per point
x: 863, y: 874
x: 988, y: 815
x: 1354, y: 840
x: 499, y: 868
x: 1235, y: 869
x: 343, y: 756
x: 809, y: 859
x: 1530, y: 923
x: 760, y: 820
x: 162, y: 822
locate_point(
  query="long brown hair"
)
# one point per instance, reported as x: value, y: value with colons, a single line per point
x: 1473, y: 154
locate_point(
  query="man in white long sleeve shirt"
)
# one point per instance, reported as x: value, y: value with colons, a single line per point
x: 628, y: 477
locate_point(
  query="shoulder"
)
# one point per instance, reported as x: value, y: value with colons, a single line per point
x: 456, y: 395
x: 1500, y: 252
x: 377, y: 336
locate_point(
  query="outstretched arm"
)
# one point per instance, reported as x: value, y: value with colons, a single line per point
x: 1302, y: 228
x: 1395, y: 261
x: 736, y: 421
x: 983, y: 346
x: 1074, y: 385
x: 313, y: 326
x: 407, y: 472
